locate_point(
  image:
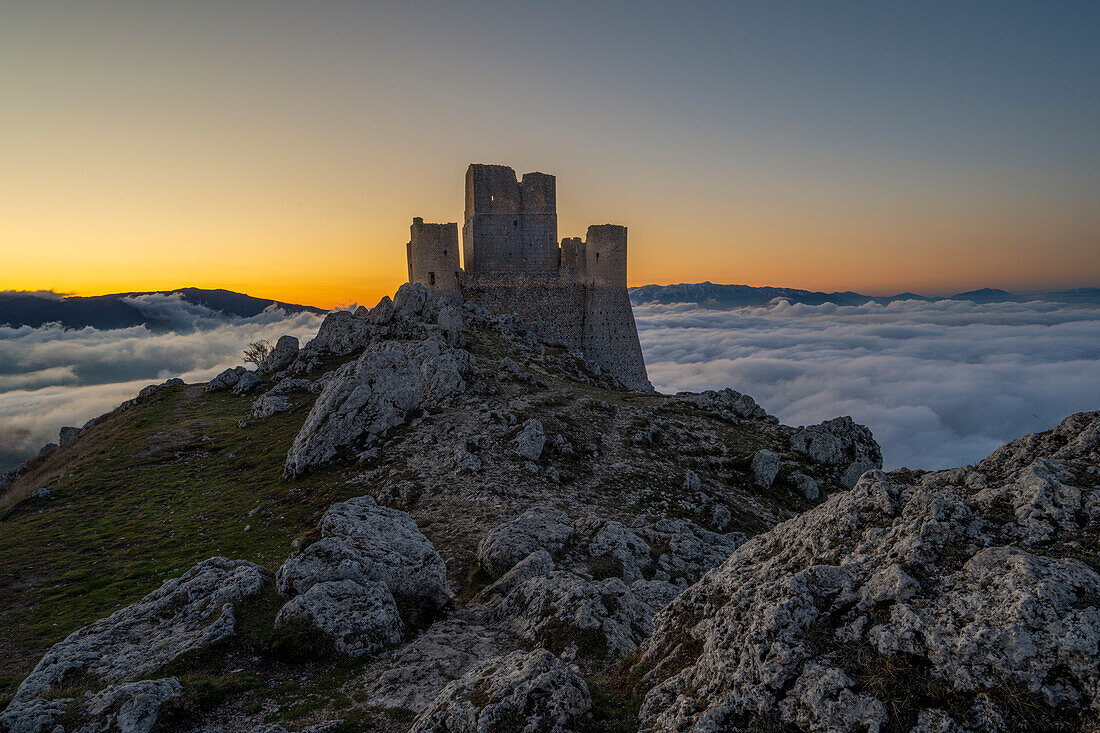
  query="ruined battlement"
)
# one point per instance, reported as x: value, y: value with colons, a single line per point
x: 571, y: 293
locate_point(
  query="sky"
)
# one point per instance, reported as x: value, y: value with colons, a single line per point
x: 282, y: 149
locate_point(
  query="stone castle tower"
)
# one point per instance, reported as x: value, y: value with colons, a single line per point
x: 571, y: 294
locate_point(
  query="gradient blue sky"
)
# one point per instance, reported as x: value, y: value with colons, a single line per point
x: 849, y: 145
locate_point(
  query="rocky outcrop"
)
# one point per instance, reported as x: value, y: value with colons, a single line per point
x: 184, y: 614
x: 957, y: 586
x: 360, y: 617
x: 765, y: 467
x: 840, y: 443
x: 226, y: 380
x: 373, y: 394
x: 729, y: 403
x: 540, y: 528
x: 246, y: 382
x: 369, y: 544
x: 523, y: 691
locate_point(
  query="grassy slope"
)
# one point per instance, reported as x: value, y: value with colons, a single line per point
x: 145, y: 495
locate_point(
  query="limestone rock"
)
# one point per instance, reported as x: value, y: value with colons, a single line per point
x: 613, y: 540
x: 67, y: 434
x: 369, y: 544
x: 914, y: 570
x: 413, y: 301
x: 842, y: 443
x: 523, y: 692
x: 268, y: 404
x: 531, y: 439
x: 382, y: 313
x: 33, y: 715
x: 765, y: 467
x: 689, y: 550
x: 185, y: 613
x: 340, y: 333
x: 728, y: 402
x: 367, y: 397
x: 806, y: 485
x: 225, y: 380
x: 602, y: 617
x: 281, y: 357
x: 246, y: 382
x: 540, y: 528
x: 412, y: 676
x: 361, y: 617
x: 131, y: 707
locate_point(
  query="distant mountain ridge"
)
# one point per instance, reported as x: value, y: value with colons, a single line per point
x: 118, y: 310
x: 712, y: 295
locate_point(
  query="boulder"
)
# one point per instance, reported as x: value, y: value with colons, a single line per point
x: 373, y: 394
x: 369, y: 544
x: 540, y: 528
x: 360, y: 617
x: 67, y: 434
x: 268, y: 404
x: 806, y: 485
x: 522, y: 691
x: 246, y: 382
x: 281, y: 357
x: 225, y: 380
x: 530, y: 441
x: 765, y: 467
x: 413, y: 301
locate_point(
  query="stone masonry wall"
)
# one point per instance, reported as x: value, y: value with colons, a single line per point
x: 610, y: 336
x: 511, y: 225
x: 433, y: 255
x: 551, y: 307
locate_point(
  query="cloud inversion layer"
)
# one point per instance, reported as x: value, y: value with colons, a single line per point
x: 50, y: 376
x: 940, y: 384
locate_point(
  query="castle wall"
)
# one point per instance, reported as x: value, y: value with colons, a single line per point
x: 433, y: 255
x: 610, y: 336
x: 511, y: 225
x: 605, y: 254
x: 551, y: 307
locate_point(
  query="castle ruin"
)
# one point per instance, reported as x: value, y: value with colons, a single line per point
x: 572, y: 294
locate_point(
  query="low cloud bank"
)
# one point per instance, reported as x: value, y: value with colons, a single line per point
x: 51, y: 376
x: 940, y: 383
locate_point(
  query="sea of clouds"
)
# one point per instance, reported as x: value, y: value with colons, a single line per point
x: 940, y: 383
x: 51, y: 376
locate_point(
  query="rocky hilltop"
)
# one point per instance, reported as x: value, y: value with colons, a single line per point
x: 425, y: 519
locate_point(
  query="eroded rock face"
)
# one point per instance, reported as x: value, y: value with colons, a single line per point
x: 540, y: 528
x: 360, y: 617
x: 765, y: 467
x: 367, y: 397
x: 956, y: 580
x: 369, y: 544
x: 522, y: 691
